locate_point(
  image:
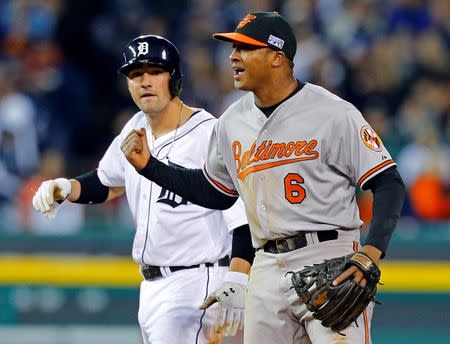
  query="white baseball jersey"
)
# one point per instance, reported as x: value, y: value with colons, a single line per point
x: 171, y: 231
x: 298, y: 169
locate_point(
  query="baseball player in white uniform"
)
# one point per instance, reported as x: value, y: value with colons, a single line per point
x: 183, y: 250
x: 295, y: 153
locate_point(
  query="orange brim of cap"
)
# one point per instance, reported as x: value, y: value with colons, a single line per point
x: 238, y: 37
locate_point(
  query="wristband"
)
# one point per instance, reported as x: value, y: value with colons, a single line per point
x: 236, y: 277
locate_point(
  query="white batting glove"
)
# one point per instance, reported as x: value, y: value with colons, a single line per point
x: 231, y: 298
x: 50, y: 195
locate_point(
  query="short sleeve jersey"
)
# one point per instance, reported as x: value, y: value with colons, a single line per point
x: 170, y: 231
x: 297, y: 170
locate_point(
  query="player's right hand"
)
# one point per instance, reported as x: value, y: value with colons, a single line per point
x: 231, y: 298
x: 50, y: 195
x: 135, y: 147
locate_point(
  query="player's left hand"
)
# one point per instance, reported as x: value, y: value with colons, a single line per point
x: 135, y: 148
x: 231, y: 298
x: 358, y: 276
x: 337, y: 306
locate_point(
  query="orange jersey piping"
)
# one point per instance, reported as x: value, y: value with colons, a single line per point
x: 220, y: 186
x: 373, y: 170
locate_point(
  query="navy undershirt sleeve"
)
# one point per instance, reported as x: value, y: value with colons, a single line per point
x: 242, y: 244
x: 92, y: 190
x: 388, y: 196
x: 190, y: 184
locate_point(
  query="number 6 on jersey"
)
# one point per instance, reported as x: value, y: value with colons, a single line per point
x: 293, y: 191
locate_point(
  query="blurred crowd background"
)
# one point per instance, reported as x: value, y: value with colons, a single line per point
x: 62, y: 102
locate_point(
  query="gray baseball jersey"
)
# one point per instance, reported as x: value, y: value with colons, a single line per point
x: 298, y: 169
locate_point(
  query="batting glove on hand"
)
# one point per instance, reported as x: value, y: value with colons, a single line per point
x: 231, y: 298
x: 50, y: 195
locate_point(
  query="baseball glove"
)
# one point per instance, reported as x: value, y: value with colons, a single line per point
x: 336, y: 306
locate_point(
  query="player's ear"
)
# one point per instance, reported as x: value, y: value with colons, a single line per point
x: 278, y: 58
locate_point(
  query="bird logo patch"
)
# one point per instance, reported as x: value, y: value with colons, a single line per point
x: 247, y: 19
x: 371, y: 139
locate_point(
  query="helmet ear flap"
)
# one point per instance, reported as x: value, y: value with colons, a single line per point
x: 176, y: 82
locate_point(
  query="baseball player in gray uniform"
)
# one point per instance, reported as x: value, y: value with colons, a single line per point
x: 183, y: 250
x: 295, y: 153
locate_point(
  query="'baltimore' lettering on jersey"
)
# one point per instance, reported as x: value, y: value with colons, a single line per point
x: 170, y: 198
x: 268, y: 150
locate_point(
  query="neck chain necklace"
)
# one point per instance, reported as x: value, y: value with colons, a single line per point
x: 174, y: 134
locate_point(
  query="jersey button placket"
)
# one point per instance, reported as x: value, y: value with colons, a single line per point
x: 262, y: 215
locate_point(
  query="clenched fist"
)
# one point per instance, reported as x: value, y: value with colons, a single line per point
x: 135, y: 147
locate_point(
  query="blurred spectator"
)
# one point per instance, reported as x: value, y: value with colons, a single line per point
x: 432, y: 55
x: 377, y: 114
x: 388, y: 57
x: 54, y: 84
x: 430, y: 197
x: 24, y: 20
x: 200, y: 69
x: 310, y: 49
x: 411, y: 15
x: 70, y: 217
x: 440, y: 13
x: 351, y: 29
x: 425, y: 167
x: 416, y: 157
x: 18, y: 141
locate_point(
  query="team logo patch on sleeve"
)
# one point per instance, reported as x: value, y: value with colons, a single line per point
x: 371, y: 139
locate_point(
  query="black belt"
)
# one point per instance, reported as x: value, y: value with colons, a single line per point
x: 295, y: 242
x: 150, y: 272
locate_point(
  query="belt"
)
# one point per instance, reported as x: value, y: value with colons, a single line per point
x: 151, y: 272
x: 295, y: 242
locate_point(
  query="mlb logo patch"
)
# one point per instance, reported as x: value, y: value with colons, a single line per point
x: 278, y: 42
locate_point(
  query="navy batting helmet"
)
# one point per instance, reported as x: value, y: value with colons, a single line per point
x: 155, y: 51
